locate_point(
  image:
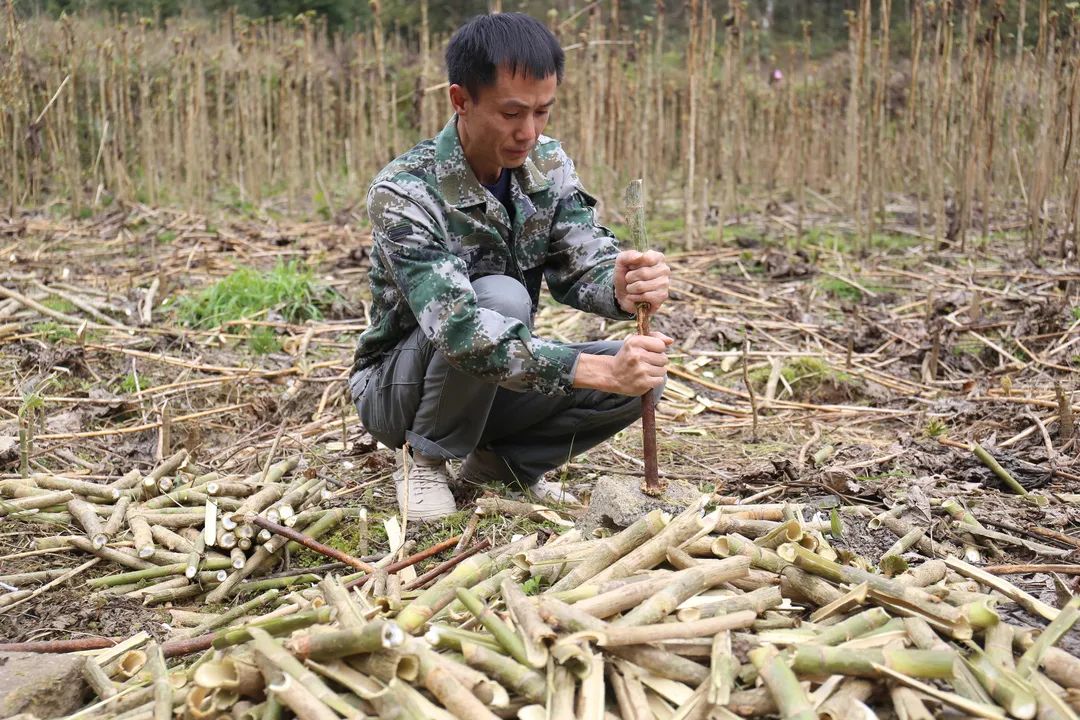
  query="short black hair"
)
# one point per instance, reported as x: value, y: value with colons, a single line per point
x: 514, y: 41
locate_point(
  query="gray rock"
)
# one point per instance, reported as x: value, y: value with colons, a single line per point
x: 47, y: 686
x: 617, y: 501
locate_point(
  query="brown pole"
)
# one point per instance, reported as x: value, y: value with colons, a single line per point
x: 652, y: 485
x: 443, y: 567
x: 411, y: 560
x: 312, y: 544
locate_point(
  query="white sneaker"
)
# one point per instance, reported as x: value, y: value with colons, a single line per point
x: 428, y: 489
x: 485, y: 467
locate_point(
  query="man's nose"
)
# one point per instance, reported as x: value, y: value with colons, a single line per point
x: 526, y: 130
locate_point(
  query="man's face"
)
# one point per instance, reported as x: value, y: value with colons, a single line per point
x: 500, y: 127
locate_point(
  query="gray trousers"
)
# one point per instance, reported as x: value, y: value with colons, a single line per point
x: 416, y: 396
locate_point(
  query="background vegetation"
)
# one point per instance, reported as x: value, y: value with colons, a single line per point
x: 940, y: 113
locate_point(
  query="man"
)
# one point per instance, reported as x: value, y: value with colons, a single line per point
x: 465, y: 227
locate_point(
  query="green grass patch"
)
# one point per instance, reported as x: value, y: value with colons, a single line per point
x: 1076, y: 313
x: 129, y: 384
x: 263, y: 341
x: 849, y: 243
x: 59, y: 305
x: 52, y: 331
x: 840, y: 289
x: 289, y: 289
x: 811, y: 380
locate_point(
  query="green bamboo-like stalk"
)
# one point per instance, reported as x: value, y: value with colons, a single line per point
x: 1010, y: 691
x: 376, y: 636
x: 98, y: 681
x: 891, y: 562
x: 1003, y: 474
x: 471, y: 571
x: 791, y: 700
x: 610, y: 550
x: 852, y: 627
x: 439, y: 679
x: 335, y: 594
x: 235, y: 613
x: 446, y: 637
x: 483, y: 590
x: 1053, y: 632
x: 1052, y: 704
x: 758, y: 600
x: 154, y: 572
x: 620, y: 597
x: 723, y: 668
x: 326, y: 522
x: 275, y: 653
x: 280, y: 583
x: 965, y: 683
x: 163, y: 691
x: 963, y: 517
x: 761, y: 558
x: 659, y: 662
x: 534, y: 632
x: 503, y: 633
x: 1021, y: 598
x: 789, y: 531
x: 894, y: 595
x: 508, y: 672
x: 88, y: 519
x: 683, y: 585
x: 653, y: 551
x: 821, y: 661
x: 286, y: 690
x: 273, y: 626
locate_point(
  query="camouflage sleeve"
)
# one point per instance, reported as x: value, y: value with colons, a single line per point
x: 435, y: 284
x: 580, y: 268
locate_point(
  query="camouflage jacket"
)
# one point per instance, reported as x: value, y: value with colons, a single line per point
x: 435, y: 228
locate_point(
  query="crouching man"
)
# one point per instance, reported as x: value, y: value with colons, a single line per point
x: 465, y: 226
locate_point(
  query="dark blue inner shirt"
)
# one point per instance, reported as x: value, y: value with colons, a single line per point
x: 501, y: 190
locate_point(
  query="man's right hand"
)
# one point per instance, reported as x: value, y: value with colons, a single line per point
x: 639, y: 366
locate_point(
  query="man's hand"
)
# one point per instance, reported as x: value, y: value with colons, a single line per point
x: 641, y: 278
x: 638, y: 367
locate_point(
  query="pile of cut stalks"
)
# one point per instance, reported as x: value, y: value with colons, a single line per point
x: 722, y: 611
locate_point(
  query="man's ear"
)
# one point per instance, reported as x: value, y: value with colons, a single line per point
x: 459, y: 99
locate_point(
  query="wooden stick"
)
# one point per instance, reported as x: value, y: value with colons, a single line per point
x: 635, y: 212
x: 311, y: 544
x: 409, y: 561
x: 443, y: 567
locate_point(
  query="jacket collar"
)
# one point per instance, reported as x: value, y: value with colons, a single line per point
x: 457, y: 182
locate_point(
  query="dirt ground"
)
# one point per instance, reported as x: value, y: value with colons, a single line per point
x: 817, y: 371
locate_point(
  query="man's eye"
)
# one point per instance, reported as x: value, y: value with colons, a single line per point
x: 509, y: 116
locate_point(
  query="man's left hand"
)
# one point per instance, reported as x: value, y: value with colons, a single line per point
x: 641, y: 277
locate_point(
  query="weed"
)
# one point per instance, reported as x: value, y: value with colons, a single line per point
x: 58, y: 304
x: 935, y: 428
x: 810, y: 379
x: 1076, y: 313
x: 129, y: 384
x: 289, y: 288
x: 53, y: 332
x: 166, y: 237
x: 263, y: 341
x: 840, y: 289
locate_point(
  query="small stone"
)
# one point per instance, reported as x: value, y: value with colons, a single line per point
x: 617, y: 502
x: 46, y: 686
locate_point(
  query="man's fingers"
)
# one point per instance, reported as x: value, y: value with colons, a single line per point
x: 647, y: 272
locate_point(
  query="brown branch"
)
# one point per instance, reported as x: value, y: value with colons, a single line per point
x: 312, y: 544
